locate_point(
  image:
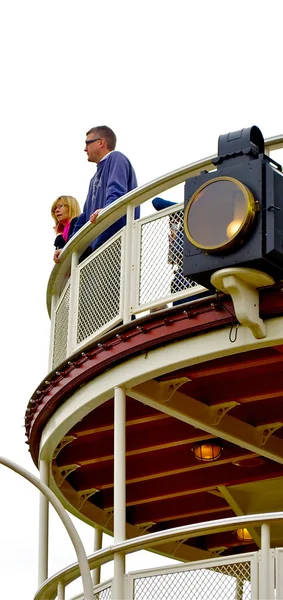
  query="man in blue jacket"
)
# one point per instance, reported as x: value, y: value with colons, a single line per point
x: 114, y: 177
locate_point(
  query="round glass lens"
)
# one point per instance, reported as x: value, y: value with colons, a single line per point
x: 217, y: 213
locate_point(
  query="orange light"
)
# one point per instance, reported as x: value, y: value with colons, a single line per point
x: 233, y: 228
x: 244, y: 535
x: 207, y: 452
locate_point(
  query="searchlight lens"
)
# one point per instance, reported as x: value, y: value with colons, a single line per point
x: 219, y: 213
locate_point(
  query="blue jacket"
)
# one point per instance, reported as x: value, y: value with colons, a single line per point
x: 114, y: 177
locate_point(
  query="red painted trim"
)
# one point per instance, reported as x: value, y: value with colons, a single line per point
x: 137, y: 337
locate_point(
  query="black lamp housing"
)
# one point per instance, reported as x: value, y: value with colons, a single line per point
x: 245, y: 180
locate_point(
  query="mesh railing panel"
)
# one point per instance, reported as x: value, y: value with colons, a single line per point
x: 103, y: 594
x: 226, y: 582
x: 61, y: 328
x: 161, y: 266
x: 99, y: 290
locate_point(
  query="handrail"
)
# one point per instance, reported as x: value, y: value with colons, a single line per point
x: 117, y: 209
x: 143, y: 542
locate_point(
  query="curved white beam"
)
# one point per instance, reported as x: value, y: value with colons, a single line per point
x: 75, y: 538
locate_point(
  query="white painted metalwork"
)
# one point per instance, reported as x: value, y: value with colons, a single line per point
x: 266, y: 585
x: 209, y: 579
x: 62, y: 513
x: 119, y: 489
x: 60, y: 591
x: 159, y: 261
x: 127, y: 281
x: 61, y: 326
x: 155, y: 363
x: 73, y: 302
x: 242, y: 284
x: 99, y: 291
x: 186, y: 532
x: 118, y: 208
x: 43, y: 525
x: 140, y: 269
x: 278, y: 559
x: 97, y: 545
x: 112, y: 284
x: 54, y: 301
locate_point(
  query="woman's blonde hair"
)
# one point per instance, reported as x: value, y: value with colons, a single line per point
x: 73, y: 206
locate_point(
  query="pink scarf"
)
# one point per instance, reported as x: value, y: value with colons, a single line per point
x: 65, y: 232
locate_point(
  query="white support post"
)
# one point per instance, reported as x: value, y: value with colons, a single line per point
x: 119, y: 489
x: 72, y: 325
x: 43, y: 525
x: 54, y: 301
x: 265, y: 575
x: 127, y: 266
x: 97, y: 545
x: 60, y: 591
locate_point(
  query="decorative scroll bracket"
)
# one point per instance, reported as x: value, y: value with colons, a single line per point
x: 242, y: 284
x: 85, y: 495
x: 218, y: 551
x: 109, y: 517
x: 267, y: 430
x: 170, y: 386
x: 65, y: 440
x: 219, y: 410
x: 144, y: 527
x: 61, y: 473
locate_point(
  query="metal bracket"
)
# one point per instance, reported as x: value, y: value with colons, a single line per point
x: 110, y: 514
x: 170, y: 386
x: 85, y: 495
x: 242, y: 286
x: 65, y: 440
x: 178, y: 544
x: 220, y: 410
x: 267, y: 430
x: 218, y: 551
x: 145, y: 526
x: 60, y: 473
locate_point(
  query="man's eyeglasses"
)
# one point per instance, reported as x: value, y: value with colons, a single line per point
x: 87, y: 142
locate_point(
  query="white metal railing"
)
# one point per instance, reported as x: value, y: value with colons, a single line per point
x: 137, y: 270
x: 258, y: 573
x: 229, y: 578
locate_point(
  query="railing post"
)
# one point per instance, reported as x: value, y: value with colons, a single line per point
x: 43, y: 525
x: 265, y: 592
x: 119, y: 489
x: 127, y: 264
x: 72, y: 325
x: 97, y: 545
x: 60, y: 591
x: 54, y: 301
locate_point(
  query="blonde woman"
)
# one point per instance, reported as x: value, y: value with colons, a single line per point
x: 65, y: 211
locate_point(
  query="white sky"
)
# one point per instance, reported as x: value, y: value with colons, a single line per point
x: 168, y: 77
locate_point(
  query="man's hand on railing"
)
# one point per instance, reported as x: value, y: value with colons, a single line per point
x: 56, y: 256
x: 94, y: 216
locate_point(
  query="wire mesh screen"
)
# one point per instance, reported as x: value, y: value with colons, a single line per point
x: 99, y: 290
x: 103, y: 594
x: 61, y: 328
x: 161, y: 267
x: 226, y: 582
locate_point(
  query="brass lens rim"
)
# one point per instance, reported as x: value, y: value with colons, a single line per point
x: 250, y: 208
